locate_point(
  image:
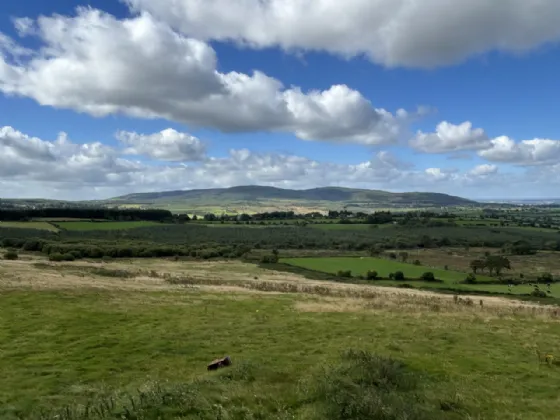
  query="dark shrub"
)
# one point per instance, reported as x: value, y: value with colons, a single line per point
x: 545, y: 278
x: 371, y: 275
x: 417, y: 262
x: 539, y: 293
x: 391, y: 276
x: 56, y: 256
x: 344, y: 273
x: 428, y: 276
x: 471, y: 279
x: 399, y: 275
x: 11, y: 255
x: 269, y: 259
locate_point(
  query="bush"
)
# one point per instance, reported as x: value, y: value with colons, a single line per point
x: 269, y: 259
x: 366, y: 386
x: 344, y: 273
x: 371, y: 275
x: 545, y: 278
x: 417, y: 262
x: 57, y: 257
x: 391, y: 276
x: 539, y: 293
x: 471, y: 279
x: 428, y: 276
x: 11, y: 255
x: 399, y: 275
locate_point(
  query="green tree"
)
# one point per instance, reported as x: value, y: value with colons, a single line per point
x: 477, y: 265
x: 496, y: 263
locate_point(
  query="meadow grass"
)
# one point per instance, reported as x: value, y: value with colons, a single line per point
x: 69, y: 347
x: 86, y: 225
x: 360, y: 266
x: 29, y: 225
x: 352, y: 226
x: 498, y: 289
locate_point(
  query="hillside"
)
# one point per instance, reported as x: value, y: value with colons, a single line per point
x: 271, y: 197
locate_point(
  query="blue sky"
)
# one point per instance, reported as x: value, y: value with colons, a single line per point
x: 153, y: 98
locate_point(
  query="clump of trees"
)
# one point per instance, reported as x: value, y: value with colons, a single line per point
x: 493, y: 263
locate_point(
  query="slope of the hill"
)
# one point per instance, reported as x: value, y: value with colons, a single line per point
x: 221, y: 196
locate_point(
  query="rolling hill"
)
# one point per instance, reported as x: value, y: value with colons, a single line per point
x: 271, y: 197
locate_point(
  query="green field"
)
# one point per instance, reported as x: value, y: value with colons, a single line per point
x: 360, y: 266
x: 29, y: 225
x: 74, y: 347
x: 105, y: 225
x: 349, y: 226
x: 451, y: 279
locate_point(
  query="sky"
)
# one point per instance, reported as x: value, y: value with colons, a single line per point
x: 104, y: 98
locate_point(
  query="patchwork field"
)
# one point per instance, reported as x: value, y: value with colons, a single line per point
x: 451, y: 279
x: 131, y: 339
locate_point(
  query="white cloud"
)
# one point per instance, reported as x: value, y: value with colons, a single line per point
x: 61, y: 168
x: 25, y: 159
x: 412, y: 33
x: 167, y: 145
x: 483, y: 170
x: 525, y: 153
x: 451, y: 138
x: 100, y: 65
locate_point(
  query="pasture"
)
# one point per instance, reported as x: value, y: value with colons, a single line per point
x: 452, y: 280
x: 29, y: 225
x: 360, y: 266
x: 88, y: 225
x: 72, y: 335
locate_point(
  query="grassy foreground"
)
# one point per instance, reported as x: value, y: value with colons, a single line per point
x: 66, y: 348
x: 131, y: 340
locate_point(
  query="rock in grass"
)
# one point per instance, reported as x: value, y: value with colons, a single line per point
x: 219, y: 363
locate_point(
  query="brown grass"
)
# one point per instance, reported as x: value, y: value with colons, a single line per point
x: 459, y: 259
x: 239, y: 279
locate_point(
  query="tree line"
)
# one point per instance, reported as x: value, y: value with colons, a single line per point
x: 18, y: 214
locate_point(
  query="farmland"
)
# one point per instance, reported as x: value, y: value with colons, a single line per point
x: 125, y: 315
x: 107, y: 225
x: 359, y: 266
x: 28, y: 225
x: 111, y: 339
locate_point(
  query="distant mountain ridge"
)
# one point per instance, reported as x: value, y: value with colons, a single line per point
x: 258, y: 193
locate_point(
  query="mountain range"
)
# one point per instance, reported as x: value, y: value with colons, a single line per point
x: 255, y: 193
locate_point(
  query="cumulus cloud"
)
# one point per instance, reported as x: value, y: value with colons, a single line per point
x: 167, y: 145
x: 65, y: 169
x: 451, y: 138
x: 30, y: 159
x: 483, y: 170
x: 409, y: 33
x: 525, y: 153
x: 97, y: 64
